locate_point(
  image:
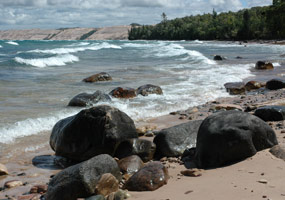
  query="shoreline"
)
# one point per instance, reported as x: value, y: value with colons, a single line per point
x: 23, y: 161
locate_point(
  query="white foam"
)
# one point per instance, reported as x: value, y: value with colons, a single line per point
x: 276, y: 64
x: 93, y: 47
x: 78, y: 44
x: 32, y: 126
x: 12, y: 43
x: 198, y: 42
x: 59, y: 60
x: 1, y: 46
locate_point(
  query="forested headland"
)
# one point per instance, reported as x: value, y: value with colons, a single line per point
x: 266, y: 22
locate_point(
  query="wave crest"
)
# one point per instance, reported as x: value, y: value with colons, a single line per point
x: 59, y: 60
x: 12, y: 43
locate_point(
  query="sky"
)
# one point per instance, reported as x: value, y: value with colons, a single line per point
x: 49, y: 14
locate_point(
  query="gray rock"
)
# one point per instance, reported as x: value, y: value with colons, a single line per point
x: 231, y: 136
x: 91, y: 132
x: 145, y: 149
x: 275, y: 84
x: 96, y: 197
x: 84, y: 99
x: 235, y: 88
x: 145, y: 90
x: 271, y: 113
x: 79, y: 181
x: 278, y: 151
x: 173, y: 141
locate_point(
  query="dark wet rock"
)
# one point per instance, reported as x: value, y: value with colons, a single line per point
x: 278, y: 151
x: 253, y: 85
x: 130, y: 164
x: 271, y: 113
x: 3, y: 170
x: 107, y: 184
x: 13, y: 183
x: 263, y: 65
x: 218, y: 57
x: 79, y: 181
x: 275, y: 84
x: 173, y: 141
x: 235, y: 88
x: 149, y: 178
x: 84, y: 99
x: 231, y: 136
x: 145, y: 149
x: 91, y: 132
x: 96, y: 197
x: 103, y: 76
x: 238, y: 57
x: 145, y: 90
x: 124, y: 93
x: 39, y: 189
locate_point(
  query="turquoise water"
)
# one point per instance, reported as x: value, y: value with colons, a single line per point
x: 38, y: 78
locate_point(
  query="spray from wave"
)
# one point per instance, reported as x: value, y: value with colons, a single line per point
x: 59, y: 60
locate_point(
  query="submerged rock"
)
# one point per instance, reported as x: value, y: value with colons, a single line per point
x: 235, y: 88
x: 145, y: 90
x: 173, y: 141
x: 91, y: 132
x: 145, y: 149
x: 84, y: 99
x: 124, y: 93
x: 79, y: 181
x: 149, y: 178
x: 231, y: 136
x: 271, y: 113
x: 275, y: 84
x: 263, y: 65
x: 130, y: 164
x: 103, y: 76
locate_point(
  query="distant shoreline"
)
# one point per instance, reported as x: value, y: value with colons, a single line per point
x: 105, y: 33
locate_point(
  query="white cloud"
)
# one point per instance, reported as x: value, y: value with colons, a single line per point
x: 97, y: 13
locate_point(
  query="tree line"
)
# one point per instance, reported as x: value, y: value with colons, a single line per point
x: 266, y: 22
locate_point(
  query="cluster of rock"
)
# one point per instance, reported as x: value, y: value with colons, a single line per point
x: 85, y: 99
x: 240, y: 88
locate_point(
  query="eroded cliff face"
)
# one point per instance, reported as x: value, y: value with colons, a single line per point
x: 106, y: 33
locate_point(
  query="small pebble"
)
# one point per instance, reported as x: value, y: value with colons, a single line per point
x: 263, y: 181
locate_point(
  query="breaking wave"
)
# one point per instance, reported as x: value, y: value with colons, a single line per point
x: 59, y: 60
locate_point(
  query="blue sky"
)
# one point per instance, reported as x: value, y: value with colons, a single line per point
x: 47, y: 14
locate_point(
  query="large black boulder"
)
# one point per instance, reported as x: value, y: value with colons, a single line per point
x: 231, y: 136
x: 84, y: 99
x: 173, y: 141
x: 275, y: 84
x: 79, y: 181
x: 271, y: 113
x: 91, y: 132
